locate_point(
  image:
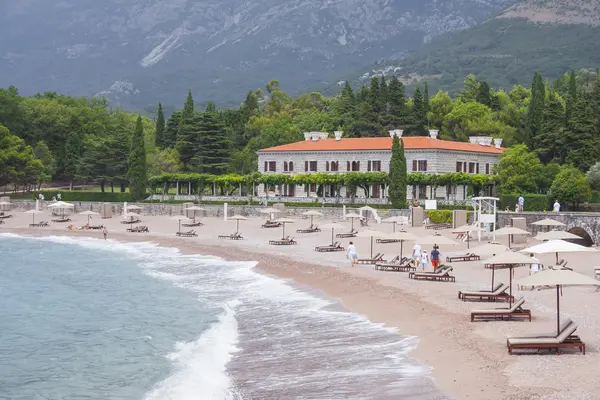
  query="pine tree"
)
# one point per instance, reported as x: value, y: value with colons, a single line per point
x: 426, y: 100
x: 581, y: 141
x: 187, y: 138
x: 549, y: 141
x: 72, y: 155
x: 483, y: 94
x: 212, y: 154
x: 595, y: 98
x: 397, y: 175
x: 170, y: 134
x: 375, y: 97
x: 571, y: 97
x: 397, y: 115
x: 418, y: 123
x: 160, y: 128
x: 137, y: 163
x: 535, y: 112
x: 345, y: 107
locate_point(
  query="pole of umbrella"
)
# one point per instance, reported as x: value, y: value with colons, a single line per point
x: 283, y: 231
x: 352, y: 224
x: 179, y: 229
x: 394, y: 227
x: 557, y: 310
x: 401, y: 246
x: 557, y: 258
x: 493, y: 276
x: 510, y: 280
x: 371, y: 246
x: 311, y: 221
x: 468, y: 237
x: 237, y: 226
x: 332, y: 236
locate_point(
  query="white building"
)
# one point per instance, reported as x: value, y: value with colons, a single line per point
x: 319, y: 153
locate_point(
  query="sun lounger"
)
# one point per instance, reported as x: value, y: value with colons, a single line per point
x: 283, y: 242
x: 377, y: 259
x: 515, y: 312
x: 566, y: 339
x: 187, y: 234
x: 233, y: 236
x: 40, y: 224
x: 4, y: 216
x: 387, y: 241
x: 191, y: 224
x: 96, y: 227
x: 463, y: 257
x: 352, y: 233
x: 498, y: 294
x: 405, y: 266
x: 310, y: 229
x: 441, y: 275
x: 131, y: 221
x: 271, y: 224
x: 564, y: 325
x: 62, y: 220
x: 139, y: 229
x: 337, y: 246
x: 438, y: 226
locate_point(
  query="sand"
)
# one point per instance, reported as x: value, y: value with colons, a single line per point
x: 469, y: 360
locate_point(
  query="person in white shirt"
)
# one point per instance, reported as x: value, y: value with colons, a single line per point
x: 351, y: 254
x: 416, y: 254
x: 556, y: 207
x: 424, y: 260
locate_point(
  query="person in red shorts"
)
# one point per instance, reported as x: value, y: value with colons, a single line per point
x: 435, y: 257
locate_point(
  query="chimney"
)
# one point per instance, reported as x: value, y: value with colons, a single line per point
x: 338, y: 135
x: 433, y: 133
x: 396, y: 132
x: 498, y: 143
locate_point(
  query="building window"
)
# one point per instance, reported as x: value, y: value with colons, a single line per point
x: 355, y: 166
x: 477, y: 168
x: 472, y: 168
x: 305, y: 166
x: 458, y: 166
x: 291, y: 166
x: 313, y: 187
x: 374, y: 166
x: 285, y: 166
x: 376, y: 191
x: 347, y: 165
x: 487, y: 169
x: 335, y: 166
x: 272, y: 166
x: 312, y: 166
x: 266, y: 166
x: 420, y: 165
x: 327, y: 166
x: 422, y: 191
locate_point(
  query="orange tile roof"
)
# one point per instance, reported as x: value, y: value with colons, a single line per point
x: 383, y: 143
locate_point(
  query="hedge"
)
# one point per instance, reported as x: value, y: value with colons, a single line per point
x: 66, y: 195
x: 533, y: 202
x: 442, y: 216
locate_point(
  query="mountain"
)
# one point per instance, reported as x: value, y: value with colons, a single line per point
x: 549, y: 36
x: 139, y: 52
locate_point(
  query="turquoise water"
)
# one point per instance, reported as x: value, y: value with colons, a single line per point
x: 89, y: 319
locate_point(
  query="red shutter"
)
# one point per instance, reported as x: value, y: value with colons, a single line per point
x: 415, y: 167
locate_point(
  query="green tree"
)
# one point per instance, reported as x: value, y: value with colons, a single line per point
x: 535, y: 112
x: 483, y: 95
x: 71, y: 157
x: 186, y: 132
x: 571, y: 187
x: 170, y: 134
x: 440, y: 105
x: 580, y: 140
x: 160, y: 128
x: 165, y: 161
x: 426, y: 100
x: 418, y: 120
x: 593, y: 176
x: 571, y: 96
x: 549, y: 140
x: 18, y: 164
x: 470, y: 89
x: 213, y: 146
x: 397, y: 174
x: 43, y: 153
x: 519, y: 171
x: 137, y: 163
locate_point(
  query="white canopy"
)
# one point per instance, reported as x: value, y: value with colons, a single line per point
x: 312, y: 213
x: 468, y: 228
x: 179, y: 218
x: 333, y: 225
x: 402, y: 235
x: 61, y: 204
x: 353, y: 215
x: 509, y: 258
x: 489, y: 249
x: 436, y: 239
x: 554, y: 277
x: 509, y: 230
x: 557, y: 246
x: 285, y: 221
x: 88, y: 213
x: 548, y: 222
x: 371, y: 233
x: 238, y: 217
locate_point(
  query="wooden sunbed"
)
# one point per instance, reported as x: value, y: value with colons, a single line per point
x: 4, y: 216
x: 96, y: 227
x: 131, y: 221
x: 139, y: 229
x: 1, y: 221
x: 271, y: 224
x: 192, y: 224
x: 515, y: 312
x: 463, y: 257
x: 337, y: 246
x: 387, y: 241
x: 62, y: 220
x: 406, y: 265
x: 310, y: 229
x: 233, y: 236
x: 438, y: 226
x: 441, y: 275
x: 565, y: 339
x: 498, y: 294
x: 352, y: 233
x: 377, y: 259
x: 187, y: 234
x: 40, y: 224
x: 287, y: 241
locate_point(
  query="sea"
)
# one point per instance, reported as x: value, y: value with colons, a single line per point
x: 84, y: 318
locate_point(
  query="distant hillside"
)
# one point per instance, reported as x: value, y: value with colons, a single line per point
x: 548, y: 36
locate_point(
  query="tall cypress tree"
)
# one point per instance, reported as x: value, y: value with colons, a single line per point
x: 375, y: 96
x: 345, y: 106
x: 571, y: 97
x: 72, y: 155
x: 170, y: 134
x: 535, y: 112
x: 581, y: 142
x: 187, y: 138
x: 137, y: 163
x: 160, y: 128
x: 418, y: 120
x: 549, y: 141
x: 426, y: 100
x: 213, y: 143
x: 595, y: 98
x: 397, y: 175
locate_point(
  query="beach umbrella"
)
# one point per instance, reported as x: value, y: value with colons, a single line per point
x: 61, y: 205
x: 33, y: 212
x: 489, y: 249
x: 178, y: 218
x: 395, y: 220
x: 508, y: 259
x: 269, y: 211
x: 89, y: 214
x: 402, y: 236
x: 548, y: 222
x: 284, y: 221
x: 352, y: 216
x: 468, y: 229
x: 509, y: 231
x: 556, y: 235
x: 333, y: 226
x: 557, y: 246
x: 312, y: 214
x: 436, y: 239
x: 133, y: 207
x: 238, y: 218
x: 371, y: 234
x: 558, y: 278
x: 194, y: 209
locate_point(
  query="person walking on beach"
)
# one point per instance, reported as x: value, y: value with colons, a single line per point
x: 105, y: 232
x: 424, y: 260
x: 435, y: 257
x: 556, y: 206
x: 535, y: 267
x: 416, y: 254
x: 351, y: 254
x: 521, y: 203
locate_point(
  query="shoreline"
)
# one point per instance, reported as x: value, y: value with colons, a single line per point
x: 444, y: 345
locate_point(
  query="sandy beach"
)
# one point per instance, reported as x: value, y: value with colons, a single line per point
x: 469, y: 360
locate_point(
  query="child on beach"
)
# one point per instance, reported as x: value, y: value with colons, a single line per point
x: 435, y: 257
x: 105, y: 232
x: 424, y: 260
x: 351, y: 254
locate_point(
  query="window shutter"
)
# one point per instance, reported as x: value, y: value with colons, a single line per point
x: 265, y: 166
x: 414, y: 165
x: 425, y: 165
x: 291, y: 166
x: 358, y: 165
x: 368, y: 166
x: 305, y: 166
x: 347, y: 165
x: 487, y: 169
x: 327, y: 166
x: 477, y: 168
x: 458, y: 166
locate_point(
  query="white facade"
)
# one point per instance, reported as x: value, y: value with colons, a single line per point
x: 437, y: 158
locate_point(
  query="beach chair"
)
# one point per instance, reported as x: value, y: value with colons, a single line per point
x: 498, y: 294
x: 442, y: 274
x: 515, y: 312
x: 405, y: 265
x: 438, y: 226
x: 350, y: 234
x: 565, y: 339
x: 233, y: 236
x: 387, y: 241
x: 41, y: 224
x: 463, y: 257
x: 271, y: 224
x: 287, y: 241
x: 96, y: 227
x: 337, y: 246
x: 377, y: 259
x: 190, y: 233
x: 310, y: 229
x: 67, y: 219
x: 192, y: 224
x: 131, y: 220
